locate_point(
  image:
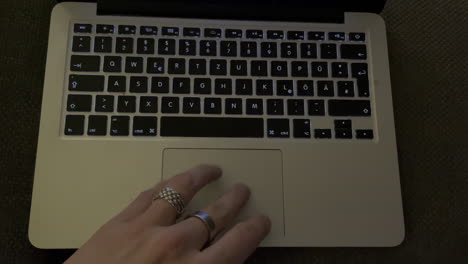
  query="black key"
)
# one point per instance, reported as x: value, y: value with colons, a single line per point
x: 238, y: 68
x: 275, y: 34
x: 148, y: 31
x: 126, y: 104
x: 323, y: 133
x: 97, y: 125
x: 269, y: 50
x: 124, y: 45
x: 86, y: 83
x: 299, y: 69
x: 328, y: 51
x: 192, y: 32
x: 120, y: 126
x: 197, y: 66
x: 191, y: 105
x: 349, y: 108
x: 103, y: 44
x: 275, y: 107
x: 145, y: 46
x: 346, y: 89
x: 308, y: 50
x: 248, y: 49
x: 160, y: 85
x: 218, y: 67
x: 117, y: 84
x: 301, y: 128
x: 254, y: 106
x: 223, y: 86
x: 105, y: 29
x: 202, y: 86
x: 244, y: 87
x: 316, y: 107
x: 104, y: 103
x: 134, y: 65
x: 319, y: 69
x: 233, y: 106
x: 325, y: 88
x: 278, y: 128
x: 233, y: 33
x: 343, y: 133
x: 170, y: 105
x: 279, y: 69
x: 305, y: 88
x: 74, y: 125
x: 148, y: 104
x: 296, y: 35
x: 170, y: 31
x: 364, y: 134
x: 363, y: 87
x: 83, y: 28
x: 288, y: 50
x: 264, y: 87
x: 81, y: 44
x: 208, y: 48
x: 85, y: 63
x: 228, y: 48
x: 166, y: 46
x: 155, y: 65
x: 127, y: 30
x: 138, y: 84
x: 284, y: 88
x: 259, y: 68
x: 187, y: 47
x: 212, y: 127
x: 112, y: 64
x: 254, y: 34
x: 213, y: 106
x: 145, y: 126
x: 343, y: 124
x: 295, y: 107
x: 354, y: 52
x: 357, y: 36
x: 340, y: 36
x: 181, y: 85
x: 79, y: 103
x: 315, y: 35
x: 176, y: 66
x: 212, y: 32
x: 340, y: 69
x: 360, y: 70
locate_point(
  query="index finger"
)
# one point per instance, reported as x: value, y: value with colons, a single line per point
x: 239, y: 243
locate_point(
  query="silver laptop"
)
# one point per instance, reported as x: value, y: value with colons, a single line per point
x: 292, y: 98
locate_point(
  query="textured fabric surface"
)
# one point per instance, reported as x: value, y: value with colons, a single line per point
x: 428, y: 43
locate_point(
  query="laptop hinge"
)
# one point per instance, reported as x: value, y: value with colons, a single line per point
x: 188, y: 9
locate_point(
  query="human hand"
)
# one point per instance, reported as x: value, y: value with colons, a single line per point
x: 146, y: 231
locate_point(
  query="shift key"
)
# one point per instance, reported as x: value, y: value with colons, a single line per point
x: 85, y: 63
x: 86, y: 83
x: 349, y: 108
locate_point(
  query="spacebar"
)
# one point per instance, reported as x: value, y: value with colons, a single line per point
x: 212, y: 127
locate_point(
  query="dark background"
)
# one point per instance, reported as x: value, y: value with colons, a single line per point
x: 428, y: 41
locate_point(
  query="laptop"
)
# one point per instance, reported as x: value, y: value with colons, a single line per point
x: 293, y: 98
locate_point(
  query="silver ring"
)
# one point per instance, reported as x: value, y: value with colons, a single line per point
x: 173, y: 198
x: 207, y: 220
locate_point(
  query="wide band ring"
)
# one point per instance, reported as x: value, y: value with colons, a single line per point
x: 207, y: 221
x: 173, y: 198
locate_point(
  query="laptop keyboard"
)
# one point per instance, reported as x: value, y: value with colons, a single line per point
x: 158, y: 81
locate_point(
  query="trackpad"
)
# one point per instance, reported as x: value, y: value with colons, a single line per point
x: 261, y: 170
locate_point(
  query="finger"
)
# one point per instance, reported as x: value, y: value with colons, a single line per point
x: 223, y: 212
x: 187, y: 184
x: 239, y: 243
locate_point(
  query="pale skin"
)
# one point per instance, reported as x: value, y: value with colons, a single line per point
x: 146, y: 232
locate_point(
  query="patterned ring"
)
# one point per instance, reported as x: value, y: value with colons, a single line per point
x: 173, y: 198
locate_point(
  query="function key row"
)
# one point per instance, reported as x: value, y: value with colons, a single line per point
x: 217, y: 33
